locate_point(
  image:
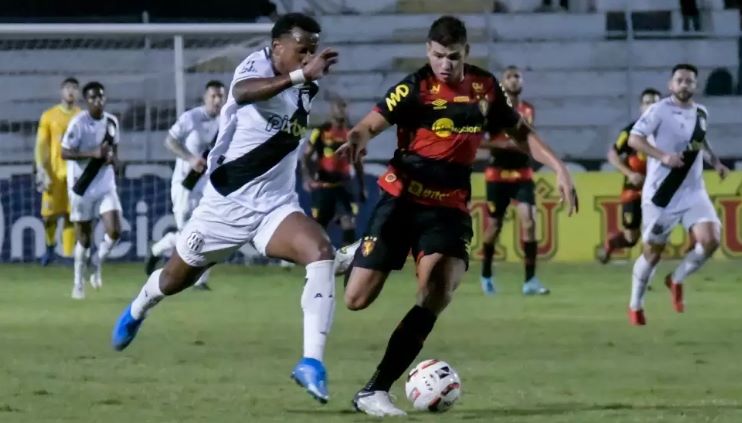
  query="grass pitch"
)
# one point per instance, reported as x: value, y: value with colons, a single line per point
x: 225, y: 356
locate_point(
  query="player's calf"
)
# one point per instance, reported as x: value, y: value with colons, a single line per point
x: 363, y: 286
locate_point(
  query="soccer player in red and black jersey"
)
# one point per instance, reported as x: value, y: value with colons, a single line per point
x: 509, y: 177
x: 441, y: 112
x: 327, y: 175
x: 634, y: 166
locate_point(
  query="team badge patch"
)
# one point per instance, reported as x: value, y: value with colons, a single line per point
x: 367, y: 247
x: 195, y: 242
x: 484, y: 106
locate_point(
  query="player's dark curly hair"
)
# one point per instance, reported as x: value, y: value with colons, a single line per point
x: 289, y: 21
x: 684, y: 66
x: 70, y: 80
x: 447, y: 30
x: 214, y: 84
x: 650, y: 91
x: 92, y: 85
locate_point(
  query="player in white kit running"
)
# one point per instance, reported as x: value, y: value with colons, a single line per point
x: 89, y: 146
x: 251, y: 195
x: 190, y: 140
x: 672, y: 133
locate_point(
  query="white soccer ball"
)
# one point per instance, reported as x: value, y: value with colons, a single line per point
x: 433, y: 385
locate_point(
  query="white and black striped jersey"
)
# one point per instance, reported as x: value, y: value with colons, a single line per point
x: 196, y: 130
x: 84, y: 133
x: 255, y: 156
x: 673, y: 128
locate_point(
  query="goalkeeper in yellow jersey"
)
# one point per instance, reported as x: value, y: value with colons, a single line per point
x: 51, y: 170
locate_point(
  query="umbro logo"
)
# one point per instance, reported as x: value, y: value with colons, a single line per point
x: 318, y: 295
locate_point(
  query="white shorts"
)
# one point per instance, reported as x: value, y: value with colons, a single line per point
x: 219, y: 226
x: 184, y: 203
x: 658, y: 222
x: 88, y: 207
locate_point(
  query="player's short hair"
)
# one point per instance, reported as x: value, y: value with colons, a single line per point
x: 684, y: 66
x: 70, y: 80
x: 213, y: 84
x: 650, y: 91
x: 289, y: 21
x: 447, y: 30
x: 512, y: 68
x: 92, y: 85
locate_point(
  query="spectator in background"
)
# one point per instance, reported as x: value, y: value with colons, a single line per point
x: 691, y: 15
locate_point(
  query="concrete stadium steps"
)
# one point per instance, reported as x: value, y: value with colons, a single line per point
x: 444, y: 6
x: 595, y: 55
x: 514, y: 27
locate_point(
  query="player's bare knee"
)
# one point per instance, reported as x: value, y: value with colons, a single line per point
x: 323, y: 251
x: 709, y: 245
x: 356, y: 301
x: 115, y: 234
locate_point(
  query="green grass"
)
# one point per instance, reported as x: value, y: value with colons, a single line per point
x: 225, y: 356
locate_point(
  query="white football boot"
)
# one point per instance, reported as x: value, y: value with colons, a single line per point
x: 376, y: 403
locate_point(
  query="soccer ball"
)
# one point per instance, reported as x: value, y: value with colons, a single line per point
x: 433, y: 385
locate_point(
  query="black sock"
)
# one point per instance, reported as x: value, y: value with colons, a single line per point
x: 618, y: 241
x: 487, y: 254
x: 404, y: 345
x: 530, y: 250
x: 349, y: 236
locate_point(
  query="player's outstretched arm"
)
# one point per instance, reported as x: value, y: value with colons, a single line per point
x: 358, y: 138
x: 713, y: 160
x: 251, y: 90
x: 524, y: 135
x: 640, y: 143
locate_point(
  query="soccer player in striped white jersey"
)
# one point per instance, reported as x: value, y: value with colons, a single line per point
x: 251, y: 195
x: 89, y: 146
x: 672, y: 133
x: 189, y: 139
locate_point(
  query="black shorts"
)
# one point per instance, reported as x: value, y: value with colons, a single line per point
x: 632, y: 214
x: 500, y: 194
x: 398, y: 226
x: 328, y: 203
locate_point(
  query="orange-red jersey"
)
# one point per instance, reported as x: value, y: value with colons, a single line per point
x: 439, y: 128
x: 325, y: 141
x: 634, y: 160
x: 508, y: 162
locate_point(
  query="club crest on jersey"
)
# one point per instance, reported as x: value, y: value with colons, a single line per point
x: 478, y: 87
x: 306, y: 99
x: 435, y: 89
x: 367, y: 247
x: 484, y: 106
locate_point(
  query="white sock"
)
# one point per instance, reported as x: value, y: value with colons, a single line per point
x: 691, y: 262
x: 165, y: 245
x: 203, y: 278
x: 105, y: 247
x: 318, y: 303
x: 81, y: 255
x: 148, y: 297
x: 639, y: 279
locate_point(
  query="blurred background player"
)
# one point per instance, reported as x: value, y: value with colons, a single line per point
x: 509, y: 178
x: 672, y: 133
x: 90, y: 146
x: 633, y: 165
x: 51, y: 171
x: 327, y: 175
x: 190, y: 140
x: 251, y: 194
x: 426, y: 189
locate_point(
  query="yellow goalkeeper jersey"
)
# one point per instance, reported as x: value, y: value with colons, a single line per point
x: 52, y: 126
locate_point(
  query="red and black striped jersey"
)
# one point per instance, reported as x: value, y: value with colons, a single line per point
x: 439, y: 128
x: 507, y: 155
x: 324, y: 142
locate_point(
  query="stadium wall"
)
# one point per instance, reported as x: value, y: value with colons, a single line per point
x: 147, y: 216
